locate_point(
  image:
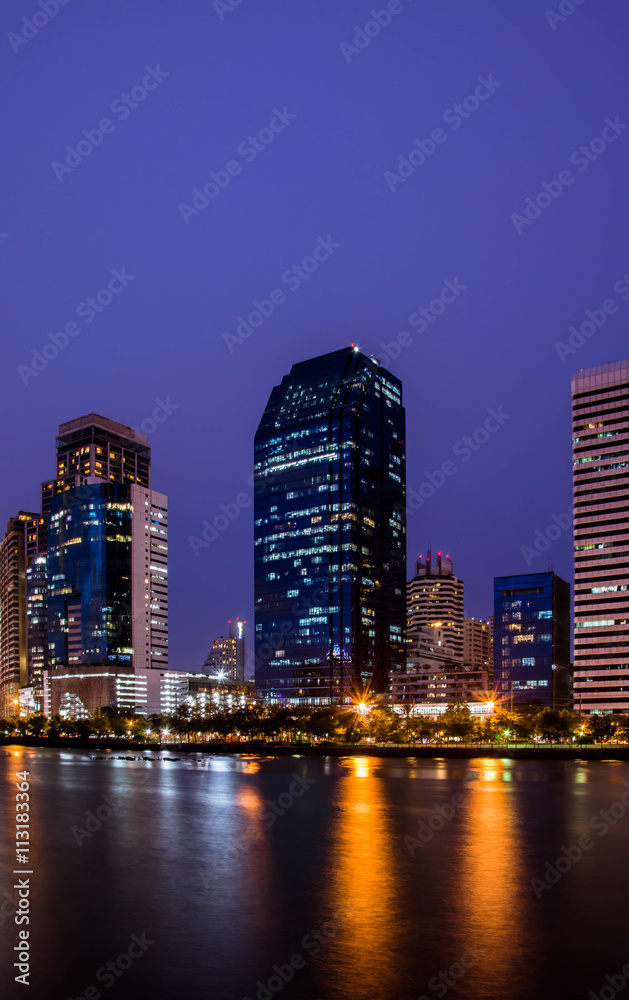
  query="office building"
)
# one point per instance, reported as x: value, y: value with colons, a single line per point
x: 13, y: 614
x: 106, y: 563
x: 477, y: 644
x: 237, y: 633
x: 141, y: 692
x: 36, y: 542
x: 434, y: 675
x: 434, y: 598
x: 600, y: 413
x: 330, y: 532
x: 439, y: 687
x: 532, y: 640
x: 227, y: 655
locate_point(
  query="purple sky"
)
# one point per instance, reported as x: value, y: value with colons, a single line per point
x: 321, y: 176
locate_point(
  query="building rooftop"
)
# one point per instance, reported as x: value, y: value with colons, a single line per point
x: 112, y: 426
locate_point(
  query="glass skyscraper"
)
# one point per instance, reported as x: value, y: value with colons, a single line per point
x: 89, y: 574
x: 532, y: 640
x: 330, y: 564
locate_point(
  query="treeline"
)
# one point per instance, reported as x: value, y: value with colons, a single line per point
x: 526, y: 724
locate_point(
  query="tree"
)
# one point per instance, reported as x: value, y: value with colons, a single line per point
x: 600, y: 728
x: 382, y: 726
x: 416, y: 728
x: 37, y: 725
x: 622, y: 727
x: 555, y: 725
x: 457, y: 722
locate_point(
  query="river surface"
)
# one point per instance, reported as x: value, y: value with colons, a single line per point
x: 353, y: 878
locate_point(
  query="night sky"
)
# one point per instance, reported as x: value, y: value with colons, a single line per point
x: 325, y: 170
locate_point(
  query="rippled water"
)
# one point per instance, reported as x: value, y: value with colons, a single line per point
x: 224, y: 889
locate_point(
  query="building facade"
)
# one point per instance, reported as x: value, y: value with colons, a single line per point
x: 532, y: 640
x: 36, y: 543
x: 477, y: 644
x: 330, y: 531
x: 227, y: 655
x: 107, y: 567
x: 434, y: 598
x: 13, y: 614
x: 600, y: 414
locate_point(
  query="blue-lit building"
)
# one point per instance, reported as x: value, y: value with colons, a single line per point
x: 532, y: 640
x: 330, y: 564
x: 89, y: 576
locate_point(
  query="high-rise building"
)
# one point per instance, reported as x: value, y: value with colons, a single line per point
x: 36, y: 543
x: 13, y: 613
x: 107, y: 555
x: 434, y: 598
x: 94, y: 447
x: 107, y: 585
x: 477, y: 644
x: 227, y: 655
x: 237, y: 633
x: 532, y: 640
x: 600, y: 414
x: 222, y: 657
x: 330, y: 531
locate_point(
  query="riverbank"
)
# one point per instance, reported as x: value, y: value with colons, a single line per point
x: 264, y: 749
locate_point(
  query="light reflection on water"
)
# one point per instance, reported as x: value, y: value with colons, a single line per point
x: 229, y: 889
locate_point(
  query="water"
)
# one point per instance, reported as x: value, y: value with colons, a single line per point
x: 219, y: 889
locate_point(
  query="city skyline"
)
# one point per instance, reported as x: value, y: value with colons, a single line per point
x: 314, y: 590
x: 489, y: 344
x: 543, y: 542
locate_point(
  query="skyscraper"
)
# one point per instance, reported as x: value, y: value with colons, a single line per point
x: 532, y: 640
x: 434, y: 597
x: 13, y: 617
x: 106, y: 564
x: 600, y: 413
x: 36, y: 542
x: 237, y: 633
x: 227, y: 655
x: 330, y: 531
